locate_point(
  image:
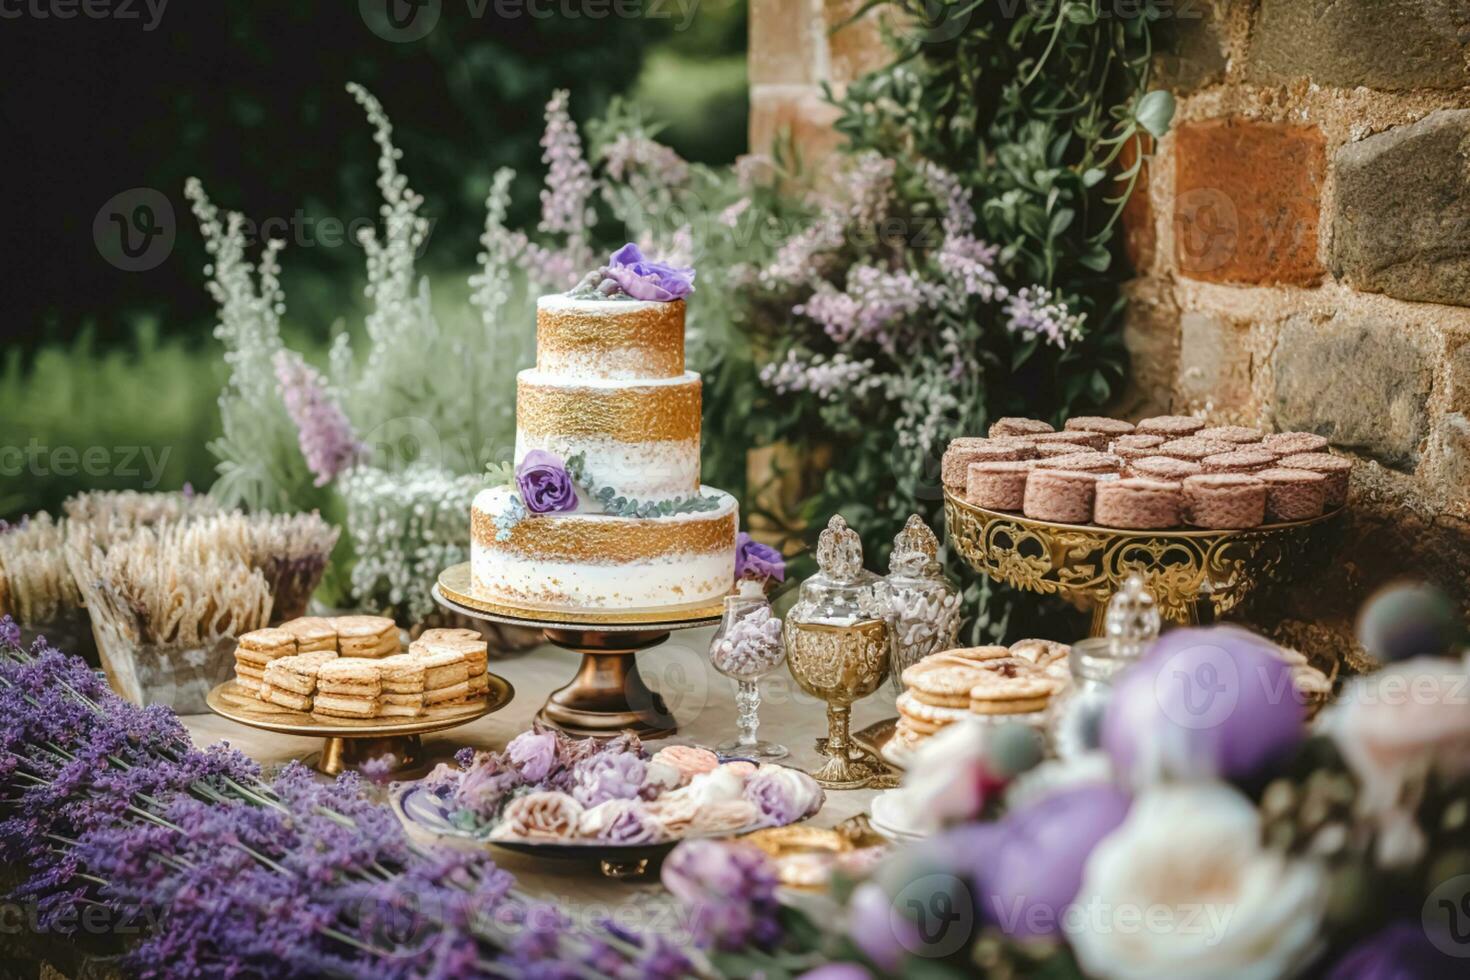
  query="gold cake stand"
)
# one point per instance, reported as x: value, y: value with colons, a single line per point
x: 1195, y: 575
x: 349, y: 742
x: 607, y: 696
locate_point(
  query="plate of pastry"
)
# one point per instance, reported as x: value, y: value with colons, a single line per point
x: 552, y: 795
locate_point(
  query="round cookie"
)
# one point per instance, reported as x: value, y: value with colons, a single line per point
x: 944, y: 679
x: 1012, y: 687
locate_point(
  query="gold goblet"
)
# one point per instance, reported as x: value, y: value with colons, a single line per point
x: 839, y: 663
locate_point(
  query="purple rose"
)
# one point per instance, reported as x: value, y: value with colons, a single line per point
x: 642, y: 279
x: 608, y: 776
x: 534, y: 754
x: 758, y: 561
x: 1035, y: 870
x: 627, y: 823
x: 545, y: 486
x: 783, y: 796
x: 1203, y: 703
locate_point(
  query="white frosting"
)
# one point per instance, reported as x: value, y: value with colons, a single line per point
x: 549, y: 380
x: 596, y: 307
x: 660, y: 581
x: 636, y: 470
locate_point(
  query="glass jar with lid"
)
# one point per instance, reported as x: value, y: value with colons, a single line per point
x: 925, y: 605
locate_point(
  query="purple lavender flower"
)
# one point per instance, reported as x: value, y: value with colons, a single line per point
x: 729, y: 890
x: 534, y: 754
x: 643, y: 279
x: 9, y: 633
x: 322, y: 429
x: 608, y: 776
x: 544, y: 483
x: 758, y: 561
x: 1034, y: 312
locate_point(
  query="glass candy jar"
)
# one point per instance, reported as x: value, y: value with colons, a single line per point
x: 925, y: 605
x: 1131, y: 626
x: 838, y: 638
x: 747, y: 646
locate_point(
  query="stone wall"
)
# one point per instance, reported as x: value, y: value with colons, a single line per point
x: 1302, y: 251
x: 1300, y: 246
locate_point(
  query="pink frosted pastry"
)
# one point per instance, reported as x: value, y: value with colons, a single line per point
x: 1162, y: 468
x: 1136, y: 440
x: 1060, y: 495
x: 740, y: 767
x: 1019, y: 427
x: 954, y: 466
x: 1098, y: 423
x: 540, y: 816
x: 1087, y: 462
x: 1336, y: 469
x: 998, y: 486
x: 1193, y: 448
x: 1224, y: 501
x: 1235, y: 434
x: 689, y: 760
x: 1294, y: 495
x: 1138, y: 504
x: 1173, y: 426
x: 1239, y: 461
x: 1291, y: 443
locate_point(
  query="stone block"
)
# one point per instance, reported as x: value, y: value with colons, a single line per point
x: 1361, y: 382
x: 1190, y: 45
x: 794, y: 111
x: 1401, y: 218
x: 854, y: 47
x: 786, y: 43
x: 1214, y: 361
x: 1151, y: 337
x: 1384, y: 44
x: 1247, y: 201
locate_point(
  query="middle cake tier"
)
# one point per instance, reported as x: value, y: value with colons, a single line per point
x: 639, y: 437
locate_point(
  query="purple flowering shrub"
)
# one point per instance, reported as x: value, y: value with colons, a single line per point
x: 238, y: 874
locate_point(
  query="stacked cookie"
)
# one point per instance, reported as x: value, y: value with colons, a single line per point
x: 993, y: 682
x: 353, y: 667
x: 1161, y: 473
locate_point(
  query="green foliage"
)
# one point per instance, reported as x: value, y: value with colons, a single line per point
x: 1028, y: 108
x: 123, y: 419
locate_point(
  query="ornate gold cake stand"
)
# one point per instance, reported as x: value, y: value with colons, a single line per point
x: 349, y: 742
x: 1194, y: 575
x: 607, y: 696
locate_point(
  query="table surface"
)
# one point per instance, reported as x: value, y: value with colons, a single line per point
x: 701, y: 699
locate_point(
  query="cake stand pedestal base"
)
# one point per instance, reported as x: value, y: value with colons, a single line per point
x: 607, y: 696
x: 341, y: 754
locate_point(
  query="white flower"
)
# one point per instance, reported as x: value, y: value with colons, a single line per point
x: 1394, y: 727
x: 1184, y: 889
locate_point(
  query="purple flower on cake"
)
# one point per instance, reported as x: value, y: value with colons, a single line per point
x: 608, y: 776
x: 642, y: 279
x: 544, y: 483
x: 534, y: 754
x: 758, y: 561
x: 783, y: 795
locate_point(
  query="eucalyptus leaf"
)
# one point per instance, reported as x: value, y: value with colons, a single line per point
x: 1155, y: 111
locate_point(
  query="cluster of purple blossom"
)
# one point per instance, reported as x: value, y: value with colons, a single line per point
x: 1034, y: 311
x: 823, y: 377
x: 326, y: 436
x: 109, y: 803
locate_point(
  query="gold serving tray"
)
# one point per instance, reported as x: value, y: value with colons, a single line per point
x: 456, y: 587
x: 348, y: 742
x: 1195, y: 575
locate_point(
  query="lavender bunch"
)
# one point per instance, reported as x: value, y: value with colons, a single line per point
x: 323, y: 431
x: 109, y: 803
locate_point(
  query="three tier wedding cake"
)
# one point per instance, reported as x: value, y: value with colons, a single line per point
x: 603, y: 507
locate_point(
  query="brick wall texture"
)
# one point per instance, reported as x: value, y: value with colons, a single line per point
x: 1300, y: 252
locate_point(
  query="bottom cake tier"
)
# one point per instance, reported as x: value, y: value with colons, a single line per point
x: 596, y: 561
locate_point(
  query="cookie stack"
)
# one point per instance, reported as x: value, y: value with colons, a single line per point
x: 290, y: 682
x: 348, y: 687
x: 1164, y: 472
x: 256, y: 650
x: 993, y: 682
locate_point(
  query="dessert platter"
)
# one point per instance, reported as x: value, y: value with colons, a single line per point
x: 988, y: 685
x: 608, y: 800
x: 1205, y: 514
x: 346, y: 679
x: 599, y: 531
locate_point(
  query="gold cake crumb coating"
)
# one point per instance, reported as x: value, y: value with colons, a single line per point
x: 647, y: 413
x: 647, y: 341
x: 568, y: 537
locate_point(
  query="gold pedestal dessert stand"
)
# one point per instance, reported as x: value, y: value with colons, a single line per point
x: 1194, y: 575
x: 349, y: 742
x: 607, y: 696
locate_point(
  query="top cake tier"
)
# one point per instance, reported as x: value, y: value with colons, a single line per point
x: 615, y: 339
